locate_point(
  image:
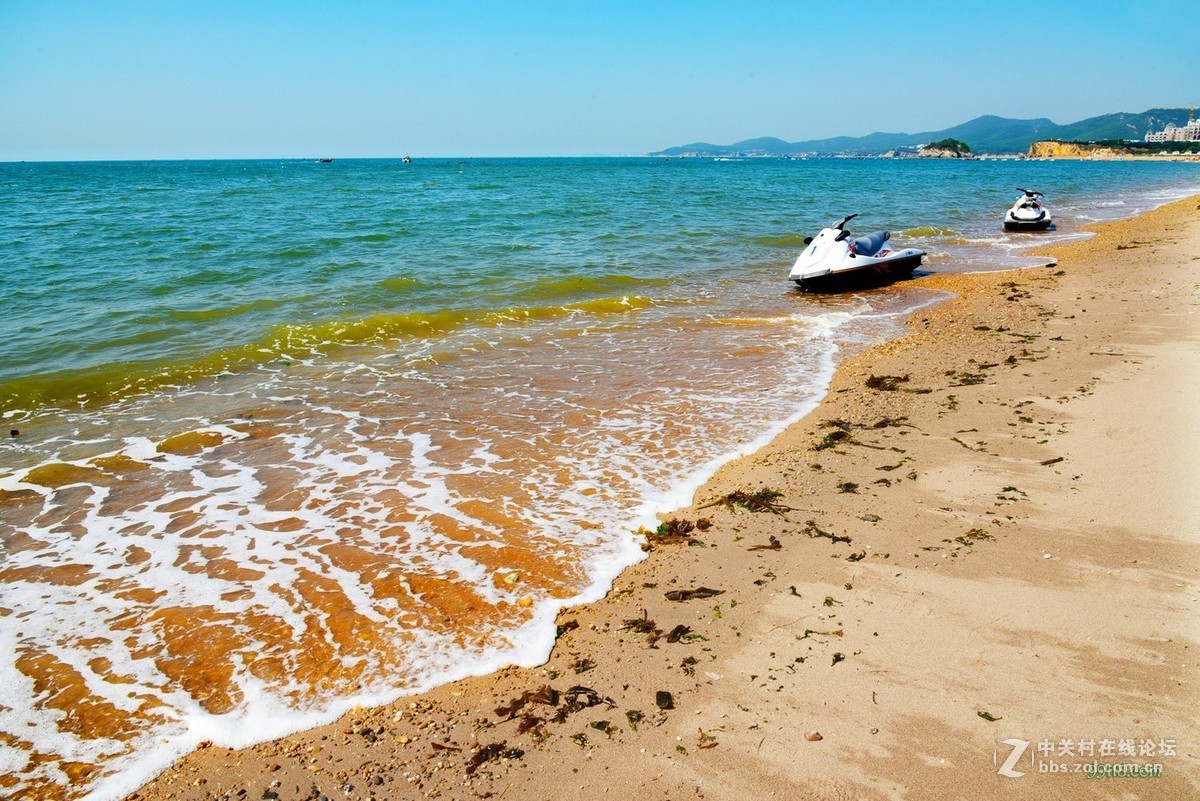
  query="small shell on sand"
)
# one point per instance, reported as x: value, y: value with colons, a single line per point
x: 813, y: 736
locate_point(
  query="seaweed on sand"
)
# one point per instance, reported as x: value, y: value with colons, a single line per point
x: 687, y: 595
x: 678, y: 633
x: 831, y: 439
x: 763, y: 500
x: 491, y: 752
x: 580, y: 697
x: 774, y: 545
x: 812, y: 530
x: 543, y: 695
x: 643, y: 625
x: 674, y: 532
x: 965, y: 379
x: 886, y: 383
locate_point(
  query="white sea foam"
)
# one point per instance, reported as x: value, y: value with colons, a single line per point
x: 225, y: 493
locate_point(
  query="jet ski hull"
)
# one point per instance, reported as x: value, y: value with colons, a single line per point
x: 872, y: 273
x: 1027, y: 225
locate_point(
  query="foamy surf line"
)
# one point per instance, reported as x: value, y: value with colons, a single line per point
x: 264, y: 718
x: 262, y: 715
x: 207, y: 469
x: 538, y: 635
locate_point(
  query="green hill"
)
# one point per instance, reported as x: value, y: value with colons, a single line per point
x: 1122, y: 125
x: 986, y: 134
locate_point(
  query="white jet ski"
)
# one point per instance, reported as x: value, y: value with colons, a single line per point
x: 834, y: 259
x: 1028, y: 213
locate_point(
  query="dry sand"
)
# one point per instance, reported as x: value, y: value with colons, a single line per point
x: 998, y: 542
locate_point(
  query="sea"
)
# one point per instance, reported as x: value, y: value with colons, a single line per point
x: 281, y: 438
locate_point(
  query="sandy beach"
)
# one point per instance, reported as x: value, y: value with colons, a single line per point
x: 972, y: 572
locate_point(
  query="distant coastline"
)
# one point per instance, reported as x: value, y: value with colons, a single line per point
x: 991, y: 135
x: 1116, y: 150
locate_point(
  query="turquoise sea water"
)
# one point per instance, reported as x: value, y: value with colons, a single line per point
x: 293, y: 436
x: 159, y: 263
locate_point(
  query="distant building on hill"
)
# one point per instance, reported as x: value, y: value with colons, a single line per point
x: 1188, y: 133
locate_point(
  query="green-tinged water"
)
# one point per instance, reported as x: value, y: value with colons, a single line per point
x: 172, y: 270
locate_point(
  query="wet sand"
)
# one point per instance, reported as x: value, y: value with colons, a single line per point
x: 987, y: 532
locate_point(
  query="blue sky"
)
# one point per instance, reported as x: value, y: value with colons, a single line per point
x: 112, y: 79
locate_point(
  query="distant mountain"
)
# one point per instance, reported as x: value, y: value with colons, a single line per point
x: 1122, y: 125
x: 986, y: 134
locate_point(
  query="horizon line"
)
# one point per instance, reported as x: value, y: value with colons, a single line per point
x: 102, y: 160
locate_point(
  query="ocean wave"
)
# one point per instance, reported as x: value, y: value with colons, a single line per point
x: 297, y: 252
x: 582, y: 285
x: 781, y: 240
x: 927, y: 232
x: 279, y: 348
x: 200, y: 315
x: 401, y: 284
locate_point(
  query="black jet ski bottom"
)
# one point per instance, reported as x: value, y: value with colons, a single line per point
x: 1033, y: 225
x: 867, y: 277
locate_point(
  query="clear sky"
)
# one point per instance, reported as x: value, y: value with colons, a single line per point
x: 256, y: 78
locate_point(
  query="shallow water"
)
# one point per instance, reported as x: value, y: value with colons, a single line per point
x: 295, y: 436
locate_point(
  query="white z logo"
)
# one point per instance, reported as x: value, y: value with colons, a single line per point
x: 1018, y: 750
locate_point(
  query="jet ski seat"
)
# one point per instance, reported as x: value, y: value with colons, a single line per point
x: 870, y: 244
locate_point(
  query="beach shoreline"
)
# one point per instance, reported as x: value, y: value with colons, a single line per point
x: 956, y: 559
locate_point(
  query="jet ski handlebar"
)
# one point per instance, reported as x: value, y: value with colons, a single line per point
x: 838, y: 225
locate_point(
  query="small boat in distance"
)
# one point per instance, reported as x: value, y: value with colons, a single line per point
x: 324, y: 160
x: 1028, y: 213
x: 406, y: 160
x: 834, y: 260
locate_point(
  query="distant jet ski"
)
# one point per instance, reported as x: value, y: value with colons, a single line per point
x: 834, y: 259
x: 1028, y: 213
